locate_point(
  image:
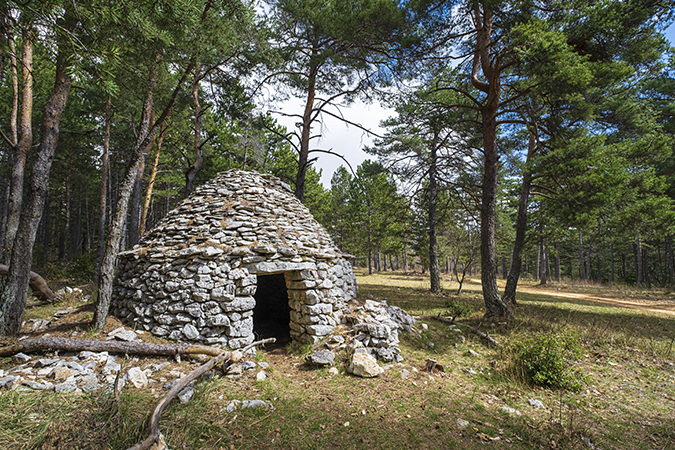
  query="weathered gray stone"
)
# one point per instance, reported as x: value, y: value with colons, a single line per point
x: 21, y: 358
x: 137, y: 377
x: 364, y: 365
x: 321, y: 358
x: 190, y: 332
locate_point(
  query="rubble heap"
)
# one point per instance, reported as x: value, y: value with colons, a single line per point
x: 240, y: 242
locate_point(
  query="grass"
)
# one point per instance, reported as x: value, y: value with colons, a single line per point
x: 626, y: 399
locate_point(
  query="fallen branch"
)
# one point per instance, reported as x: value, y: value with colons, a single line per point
x: 37, y: 284
x: 155, y: 436
x: 475, y: 331
x: 43, y: 344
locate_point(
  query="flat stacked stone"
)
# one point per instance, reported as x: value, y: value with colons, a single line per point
x: 194, y: 276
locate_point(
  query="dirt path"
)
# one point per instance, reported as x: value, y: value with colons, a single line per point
x: 666, y: 307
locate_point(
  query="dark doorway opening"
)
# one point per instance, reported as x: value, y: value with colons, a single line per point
x: 272, y: 313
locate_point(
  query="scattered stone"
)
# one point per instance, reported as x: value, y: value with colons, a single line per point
x: 137, y: 377
x: 462, y: 424
x: 111, y: 367
x: 126, y: 335
x: 38, y: 325
x: 233, y: 370
x: 38, y: 386
x: 63, y: 312
x: 89, y: 383
x: 255, y: 404
x: 248, y: 365
x: 67, y: 387
x: 321, y: 358
x: 158, y: 367
x: 60, y: 373
x: 535, y: 403
x: 9, y: 381
x: 333, y: 371
x: 260, y: 376
x: 263, y: 365
x: 364, y: 365
x: 405, y: 374
x: 186, y: 394
x: 510, y: 410
x: 233, y: 405
x: 21, y: 358
x: 473, y: 352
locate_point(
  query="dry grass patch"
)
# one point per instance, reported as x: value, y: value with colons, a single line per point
x: 625, y: 401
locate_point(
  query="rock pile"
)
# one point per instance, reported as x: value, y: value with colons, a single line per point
x: 376, y: 326
x: 195, y: 276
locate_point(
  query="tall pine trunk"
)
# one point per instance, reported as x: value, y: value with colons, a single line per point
x: 103, y: 205
x: 434, y: 268
x: 141, y: 149
x: 199, y: 157
x: 21, y: 135
x: 14, y: 290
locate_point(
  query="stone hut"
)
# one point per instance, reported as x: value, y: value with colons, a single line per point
x: 241, y: 258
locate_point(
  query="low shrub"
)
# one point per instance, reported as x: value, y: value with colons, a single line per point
x: 546, y: 360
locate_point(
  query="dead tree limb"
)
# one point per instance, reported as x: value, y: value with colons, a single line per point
x: 155, y: 438
x: 475, y: 331
x: 44, y: 344
x: 37, y: 284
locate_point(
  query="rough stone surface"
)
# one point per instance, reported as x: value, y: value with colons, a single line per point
x: 194, y: 276
x: 376, y: 326
x: 137, y: 377
x: 321, y: 358
x: 364, y: 365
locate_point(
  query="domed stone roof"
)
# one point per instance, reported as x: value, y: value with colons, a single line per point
x: 195, y: 275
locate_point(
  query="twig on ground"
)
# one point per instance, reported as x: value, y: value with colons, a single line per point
x: 155, y: 439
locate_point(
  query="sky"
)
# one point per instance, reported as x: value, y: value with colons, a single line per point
x: 348, y: 140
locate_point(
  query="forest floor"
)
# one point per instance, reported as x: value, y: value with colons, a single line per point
x: 625, y: 373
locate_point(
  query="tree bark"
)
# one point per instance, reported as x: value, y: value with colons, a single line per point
x: 151, y: 184
x: 434, y: 268
x: 671, y: 263
x: 22, y: 137
x: 558, y: 277
x: 199, y: 157
x: 582, y: 264
x: 638, y: 265
x: 15, y: 286
x: 65, y: 235
x: 116, y: 230
x: 494, y: 306
x: 305, y: 137
x: 103, y: 207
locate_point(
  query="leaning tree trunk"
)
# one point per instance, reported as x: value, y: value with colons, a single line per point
x: 521, y: 228
x: 15, y: 287
x: 116, y: 230
x: 151, y: 185
x: 434, y: 268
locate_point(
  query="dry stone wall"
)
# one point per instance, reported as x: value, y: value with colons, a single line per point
x: 194, y: 276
